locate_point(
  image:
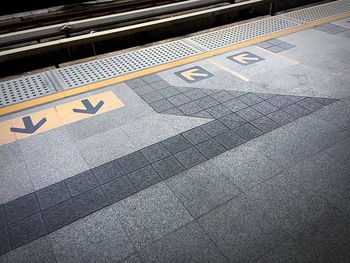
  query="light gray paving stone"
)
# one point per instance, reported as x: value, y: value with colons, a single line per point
x: 245, y: 167
x: 54, y: 165
x: 8, y: 152
x: 241, y: 231
x: 96, y: 238
x: 37, y: 251
x: 15, y: 182
x: 187, y: 244
x: 202, y: 188
x: 151, y: 214
x: 106, y: 147
x: 289, y: 252
x: 341, y: 151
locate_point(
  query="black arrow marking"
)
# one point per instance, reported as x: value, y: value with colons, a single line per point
x: 89, y: 108
x: 29, y: 127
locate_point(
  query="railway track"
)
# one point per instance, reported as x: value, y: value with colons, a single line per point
x: 52, y: 41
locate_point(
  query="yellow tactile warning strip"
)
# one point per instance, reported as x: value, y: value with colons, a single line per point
x: 104, y: 83
x: 41, y: 121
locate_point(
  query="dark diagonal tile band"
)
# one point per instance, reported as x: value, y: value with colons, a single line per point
x: 237, y: 118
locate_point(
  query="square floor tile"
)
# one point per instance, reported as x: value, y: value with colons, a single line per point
x: 179, y: 99
x: 143, y: 90
x: 81, y: 183
x: 155, y: 152
x: 214, y: 128
x: 222, y: 96
x: 108, y: 172
x: 60, y: 215
x: 90, y: 202
x: 210, y: 148
x: 26, y: 230
x: 219, y: 111
x: 235, y: 105
x: 151, y: 214
x: 280, y: 101
x: 52, y: 195
x: 196, y: 135
x: 99, y: 237
x: 229, y: 139
x: 4, y: 241
x: 281, y: 117
x: 118, y: 189
x: 248, y: 131
x: 168, y: 167
x: 159, y: 84
x: 265, y: 124
x: 168, y: 92
x: 188, y: 244
x: 249, y: 114
x: 3, y: 221
x: 189, y: 108
x: 151, y: 78
x: 132, y: 162
x: 134, y: 83
x: 152, y: 97
x: 144, y: 177
x: 195, y: 94
x: 296, y: 111
x: 250, y: 99
x: 190, y: 157
x: 161, y: 105
x: 310, y: 104
x: 232, y: 120
x: 176, y: 143
x: 22, y: 207
x: 206, y: 102
x: 202, y: 188
x: 265, y: 107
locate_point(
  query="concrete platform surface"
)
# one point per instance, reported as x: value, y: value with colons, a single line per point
x: 242, y: 157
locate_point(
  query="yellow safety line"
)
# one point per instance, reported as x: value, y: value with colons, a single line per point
x: 236, y: 74
x: 104, y: 83
x: 291, y: 61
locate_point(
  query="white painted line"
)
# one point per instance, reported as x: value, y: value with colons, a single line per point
x: 234, y: 73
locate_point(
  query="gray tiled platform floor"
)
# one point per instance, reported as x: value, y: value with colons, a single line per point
x: 280, y: 197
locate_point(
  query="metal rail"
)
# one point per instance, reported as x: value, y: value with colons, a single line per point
x: 123, y: 31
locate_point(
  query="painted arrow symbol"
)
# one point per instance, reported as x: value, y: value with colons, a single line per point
x: 89, y: 108
x: 29, y: 127
x: 189, y: 74
x: 244, y: 58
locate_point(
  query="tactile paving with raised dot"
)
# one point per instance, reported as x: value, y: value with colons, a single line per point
x: 319, y: 12
x: 240, y: 33
x: 25, y: 88
x: 97, y: 70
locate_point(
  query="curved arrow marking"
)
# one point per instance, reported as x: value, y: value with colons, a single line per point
x: 89, y: 108
x: 189, y: 74
x: 29, y: 127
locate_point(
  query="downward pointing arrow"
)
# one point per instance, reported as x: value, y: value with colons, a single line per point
x: 29, y: 127
x: 189, y: 74
x: 244, y: 58
x: 89, y: 108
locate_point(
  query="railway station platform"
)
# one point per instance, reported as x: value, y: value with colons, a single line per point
x: 227, y: 146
